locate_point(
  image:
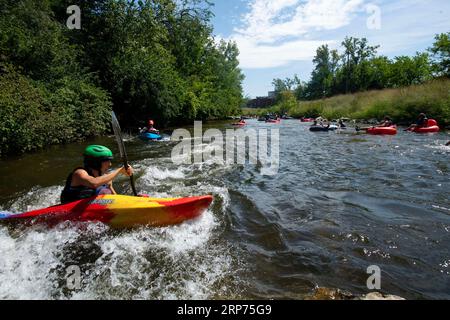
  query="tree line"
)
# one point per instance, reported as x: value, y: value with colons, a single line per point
x: 144, y: 59
x: 359, y: 68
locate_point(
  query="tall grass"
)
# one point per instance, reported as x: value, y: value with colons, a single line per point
x: 403, y: 104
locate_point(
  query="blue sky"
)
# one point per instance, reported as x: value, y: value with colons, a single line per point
x: 278, y: 38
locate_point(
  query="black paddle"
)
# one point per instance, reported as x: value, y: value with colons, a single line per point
x: 123, y: 153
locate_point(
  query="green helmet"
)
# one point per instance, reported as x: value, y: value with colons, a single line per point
x: 99, y: 153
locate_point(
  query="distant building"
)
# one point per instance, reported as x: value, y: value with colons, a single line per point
x: 261, y: 102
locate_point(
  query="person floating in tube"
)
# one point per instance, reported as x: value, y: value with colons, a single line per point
x: 341, y: 124
x: 387, y: 122
x: 422, y: 122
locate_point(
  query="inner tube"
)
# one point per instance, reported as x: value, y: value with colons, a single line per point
x: 392, y: 130
x: 322, y: 129
x: 432, y: 127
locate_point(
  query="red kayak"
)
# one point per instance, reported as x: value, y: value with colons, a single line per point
x: 117, y: 211
x: 432, y: 127
x: 307, y: 120
x: 239, y: 124
x: 392, y: 130
x: 273, y: 121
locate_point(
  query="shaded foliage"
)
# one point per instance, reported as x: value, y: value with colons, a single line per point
x: 145, y: 59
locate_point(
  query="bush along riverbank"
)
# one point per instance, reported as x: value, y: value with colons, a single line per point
x: 143, y: 59
x: 33, y: 115
x: 402, y: 104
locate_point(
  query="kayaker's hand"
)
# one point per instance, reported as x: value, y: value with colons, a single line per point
x: 127, y: 172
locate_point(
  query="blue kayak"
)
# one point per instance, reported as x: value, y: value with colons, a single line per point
x: 147, y: 136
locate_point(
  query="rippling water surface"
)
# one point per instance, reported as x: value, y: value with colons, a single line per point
x: 340, y: 203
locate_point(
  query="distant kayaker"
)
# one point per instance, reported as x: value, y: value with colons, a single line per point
x: 448, y: 144
x: 92, y: 179
x: 150, y: 128
x: 422, y: 122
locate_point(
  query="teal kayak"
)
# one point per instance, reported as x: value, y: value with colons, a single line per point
x: 147, y: 136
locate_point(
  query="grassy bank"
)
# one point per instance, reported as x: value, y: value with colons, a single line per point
x: 403, y: 104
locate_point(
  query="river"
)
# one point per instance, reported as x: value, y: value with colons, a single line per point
x: 340, y: 202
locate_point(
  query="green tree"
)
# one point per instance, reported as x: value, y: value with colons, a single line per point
x: 406, y: 71
x: 321, y: 82
x: 287, y: 102
x: 379, y: 73
x: 441, y: 55
x: 355, y: 67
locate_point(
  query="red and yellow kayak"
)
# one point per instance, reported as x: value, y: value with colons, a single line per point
x: 118, y: 211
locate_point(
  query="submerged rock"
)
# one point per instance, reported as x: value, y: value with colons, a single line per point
x: 337, y: 294
x: 379, y: 296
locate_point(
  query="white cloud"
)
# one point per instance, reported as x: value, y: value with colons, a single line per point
x: 254, y: 55
x: 274, y: 31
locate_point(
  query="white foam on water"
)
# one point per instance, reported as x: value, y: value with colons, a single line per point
x: 37, y: 198
x: 440, y: 208
x: 439, y: 146
x: 189, y: 236
x: 179, y: 262
x: 27, y: 262
x: 166, y: 263
x: 155, y: 173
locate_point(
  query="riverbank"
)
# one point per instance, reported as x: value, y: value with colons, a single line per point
x: 402, y: 104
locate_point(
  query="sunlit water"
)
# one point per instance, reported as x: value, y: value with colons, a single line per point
x: 340, y: 203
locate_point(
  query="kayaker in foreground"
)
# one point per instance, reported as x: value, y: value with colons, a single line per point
x: 448, y: 144
x: 422, y: 122
x: 92, y: 179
